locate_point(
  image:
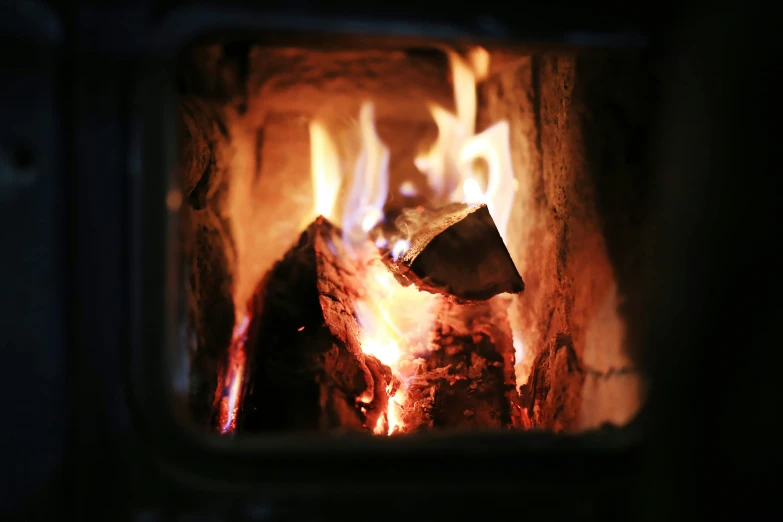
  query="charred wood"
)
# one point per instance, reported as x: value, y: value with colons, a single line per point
x: 456, y: 251
x: 307, y: 370
x: 468, y: 380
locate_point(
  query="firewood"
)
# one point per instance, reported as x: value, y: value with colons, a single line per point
x: 307, y: 370
x: 468, y: 380
x: 455, y: 251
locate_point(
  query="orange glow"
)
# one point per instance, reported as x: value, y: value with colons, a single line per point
x: 493, y: 146
x: 395, y: 320
x: 395, y: 323
x: 393, y: 415
x: 230, y: 388
x: 324, y: 170
x: 370, y: 186
x: 439, y: 164
x: 464, y: 79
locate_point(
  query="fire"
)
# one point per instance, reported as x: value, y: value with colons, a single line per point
x: 231, y: 386
x: 395, y: 321
x: 449, y: 164
x: 324, y: 170
x: 393, y: 415
x: 370, y: 187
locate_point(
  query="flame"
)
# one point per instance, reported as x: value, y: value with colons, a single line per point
x: 399, y: 248
x: 464, y: 79
x: 248, y: 251
x: 448, y: 164
x: 370, y: 187
x: 232, y: 381
x: 324, y: 170
x: 395, y: 324
x: 440, y: 163
x: 393, y: 414
x: 395, y: 320
x: 479, y: 62
x: 493, y: 146
x: 248, y: 255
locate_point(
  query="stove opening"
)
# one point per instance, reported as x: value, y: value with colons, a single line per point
x: 391, y: 238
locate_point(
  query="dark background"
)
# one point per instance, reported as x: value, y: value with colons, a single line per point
x: 710, y: 331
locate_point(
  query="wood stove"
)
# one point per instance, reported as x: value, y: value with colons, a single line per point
x: 394, y: 247
x: 572, y: 101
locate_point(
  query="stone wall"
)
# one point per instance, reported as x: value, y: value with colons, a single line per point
x: 581, y: 168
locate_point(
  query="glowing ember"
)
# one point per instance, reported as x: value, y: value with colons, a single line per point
x: 395, y: 324
x: 395, y: 321
x: 393, y: 415
x: 231, y: 385
x: 386, y: 351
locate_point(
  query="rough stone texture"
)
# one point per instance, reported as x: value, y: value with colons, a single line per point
x: 581, y: 153
x: 207, y: 246
x: 334, y: 83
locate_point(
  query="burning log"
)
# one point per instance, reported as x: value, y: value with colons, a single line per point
x: 468, y: 381
x: 456, y: 251
x: 307, y: 369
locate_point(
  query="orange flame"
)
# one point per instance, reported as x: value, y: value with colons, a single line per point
x: 395, y: 322
x: 448, y: 164
x: 324, y: 170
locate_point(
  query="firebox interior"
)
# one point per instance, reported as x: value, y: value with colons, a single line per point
x: 305, y: 172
